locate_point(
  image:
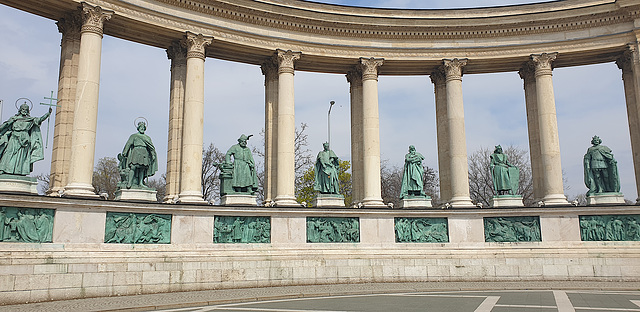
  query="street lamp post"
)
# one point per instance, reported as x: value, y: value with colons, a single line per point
x: 329, y: 122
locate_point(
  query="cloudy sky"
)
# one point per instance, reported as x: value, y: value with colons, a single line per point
x: 135, y: 82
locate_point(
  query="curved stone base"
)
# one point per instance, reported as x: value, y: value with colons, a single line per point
x: 137, y: 194
x: 503, y: 201
x: 18, y: 184
x: 605, y: 199
x: 416, y: 202
x: 80, y: 190
x: 238, y: 200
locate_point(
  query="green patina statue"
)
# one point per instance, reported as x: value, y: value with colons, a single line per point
x: 326, y: 172
x: 412, y: 184
x: 21, y: 142
x: 138, y: 159
x: 505, y: 175
x: 244, y: 179
x: 600, y: 169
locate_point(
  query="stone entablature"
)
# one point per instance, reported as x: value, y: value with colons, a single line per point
x: 332, y: 38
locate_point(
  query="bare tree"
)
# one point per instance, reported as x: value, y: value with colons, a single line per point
x: 43, y: 183
x: 210, y: 173
x: 391, y: 177
x: 160, y: 185
x: 480, y: 181
x: 106, y: 176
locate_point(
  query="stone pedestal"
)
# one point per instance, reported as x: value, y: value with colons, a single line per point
x: 18, y: 184
x: 506, y: 201
x: 416, y: 202
x: 328, y: 200
x: 238, y: 200
x: 612, y: 198
x: 136, y: 194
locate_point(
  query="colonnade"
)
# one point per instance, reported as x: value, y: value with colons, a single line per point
x: 74, y: 136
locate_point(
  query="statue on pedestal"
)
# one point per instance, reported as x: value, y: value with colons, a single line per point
x: 244, y: 179
x: 505, y: 176
x: 138, y: 159
x: 326, y: 172
x: 600, y: 169
x: 412, y: 174
x: 21, y: 142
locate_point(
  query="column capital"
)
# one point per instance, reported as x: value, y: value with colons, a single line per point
x: 270, y: 69
x: 354, y: 76
x: 437, y: 76
x: 626, y: 60
x: 286, y: 60
x: 177, y: 51
x: 196, y: 44
x: 93, y: 18
x: 527, y: 71
x: 369, y: 67
x: 70, y: 26
x: 543, y: 63
x: 453, y: 68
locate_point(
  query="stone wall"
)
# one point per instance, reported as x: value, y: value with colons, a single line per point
x: 79, y: 264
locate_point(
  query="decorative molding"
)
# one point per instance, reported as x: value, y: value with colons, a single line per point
x: 196, y: 44
x: 453, y: 68
x: 369, y: 67
x: 286, y: 60
x: 93, y: 18
x: 544, y: 63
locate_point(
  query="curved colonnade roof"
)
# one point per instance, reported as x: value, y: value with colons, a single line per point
x: 332, y: 38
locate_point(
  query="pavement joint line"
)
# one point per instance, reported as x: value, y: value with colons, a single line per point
x: 524, y: 306
x: 606, y: 309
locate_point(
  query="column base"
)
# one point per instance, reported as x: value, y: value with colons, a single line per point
x: 504, y: 201
x: 286, y: 201
x: 461, y: 202
x: 80, y: 190
x: 613, y: 198
x: 18, y: 184
x: 555, y: 200
x: 373, y: 203
x: 191, y: 197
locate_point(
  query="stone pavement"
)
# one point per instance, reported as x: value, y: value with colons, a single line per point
x: 562, y: 296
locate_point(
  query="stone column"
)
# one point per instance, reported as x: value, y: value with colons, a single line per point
x: 285, y: 185
x: 177, y: 53
x: 83, y: 140
x: 192, y: 125
x: 70, y: 27
x: 629, y: 63
x: 527, y: 73
x: 444, y: 163
x: 270, y: 72
x: 552, y: 188
x: 370, y: 133
x: 458, y: 170
x: 354, y: 78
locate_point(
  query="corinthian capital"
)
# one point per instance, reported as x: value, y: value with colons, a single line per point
x: 177, y: 51
x: 354, y: 76
x: 453, y: 68
x: 286, y: 60
x: 93, y: 18
x: 270, y: 68
x: 369, y: 67
x: 437, y: 76
x: 544, y: 62
x: 196, y: 44
x: 527, y: 71
x: 70, y: 26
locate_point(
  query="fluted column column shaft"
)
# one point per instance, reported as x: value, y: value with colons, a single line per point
x: 354, y: 78
x: 270, y: 72
x: 177, y: 53
x: 70, y: 27
x: 286, y: 176
x: 527, y: 73
x: 629, y: 63
x: 371, y: 133
x: 192, y: 127
x: 86, y: 102
x: 553, y: 192
x: 444, y: 163
x: 458, y: 163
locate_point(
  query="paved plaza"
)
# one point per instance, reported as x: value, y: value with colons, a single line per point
x: 432, y: 297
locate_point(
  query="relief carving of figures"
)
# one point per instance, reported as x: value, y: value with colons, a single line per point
x: 242, y: 229
x: 600, y: 169
x: 421, y: 230
x: 26, y: 225
x: 610, y: 228
x: 333, y: 230
x: 21, y: 142
x: 139, y: 228
x: 512, y: 229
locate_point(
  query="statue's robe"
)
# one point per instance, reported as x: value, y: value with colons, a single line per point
x: 244, y: 168
x: 412, y: 175
x: 21, y: 144
x: 326, y: 173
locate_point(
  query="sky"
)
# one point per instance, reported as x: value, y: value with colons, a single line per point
x: 135, y: 82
